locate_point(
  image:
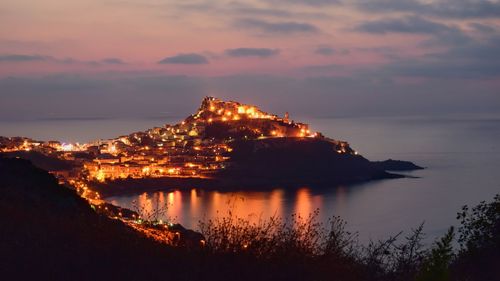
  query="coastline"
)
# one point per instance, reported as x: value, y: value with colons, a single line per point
x: 139, y: 186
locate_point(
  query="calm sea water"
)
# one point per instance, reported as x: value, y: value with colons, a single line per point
x: 461, y: 153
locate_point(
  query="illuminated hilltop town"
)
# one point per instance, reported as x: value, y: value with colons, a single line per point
x: 199, y: 146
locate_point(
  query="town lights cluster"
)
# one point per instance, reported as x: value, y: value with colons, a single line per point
x: 240, y: 111
x: 192, y: 148
x: 198, y: 147
x: 214, y: 110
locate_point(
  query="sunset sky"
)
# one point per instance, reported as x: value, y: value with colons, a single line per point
x: 320, y: 58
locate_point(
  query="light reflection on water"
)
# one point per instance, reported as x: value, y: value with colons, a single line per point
x: 190, y: 206
x: 462, y: 156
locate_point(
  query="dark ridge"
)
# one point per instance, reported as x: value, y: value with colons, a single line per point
x: 298, y: 160
x: 41, y: 160
x: 49, y: 232
x: 264, y: 164
x: 137, y: 186
x: 396, y: 165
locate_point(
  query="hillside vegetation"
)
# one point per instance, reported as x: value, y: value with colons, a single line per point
x: 48, y: 232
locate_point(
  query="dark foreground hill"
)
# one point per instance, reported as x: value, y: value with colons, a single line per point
x: 47, y: 232
x: 41, y: 160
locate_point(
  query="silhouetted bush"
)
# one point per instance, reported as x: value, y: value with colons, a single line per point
x: 298, y: 237
x: 479, y: 255
x: 334, y: 251
x: 49, y: 232
x: 437, y: 261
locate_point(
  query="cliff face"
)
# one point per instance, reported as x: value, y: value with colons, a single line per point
x: 397, y: 165
x: 299, y: 161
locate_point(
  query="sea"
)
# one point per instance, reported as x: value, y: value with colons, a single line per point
x: 460, y: 153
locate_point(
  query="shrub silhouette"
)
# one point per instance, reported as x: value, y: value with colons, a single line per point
x: 326, y: 251
x: 58, y: 236
x: 437, y: 262
x: 479, y: 239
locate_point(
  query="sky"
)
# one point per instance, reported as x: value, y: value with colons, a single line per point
x: 317, y: 58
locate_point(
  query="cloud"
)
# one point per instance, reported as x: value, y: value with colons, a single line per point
x: 322, y: 68
x: 307, y: 2
x: 252, y: 52
x: 324, y: 50
x: 442, y: 69
x: 441, y: 34
x: 482, y: 27
x: 248, y: 10
x: 20, y: 58
x: 245, y: 9
x: 276, y: 28
x: 460, y: 9
x: 409, y: 24
x: 24, y: 58
x: 112, y: 61
x: 485, y: 51
x: 131, y: 95
x: 477, y: 59
x: 191, y: 58
x: 388, y: 52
